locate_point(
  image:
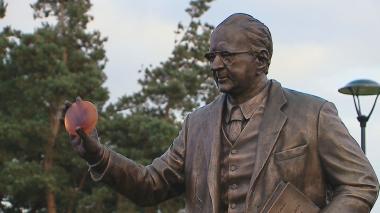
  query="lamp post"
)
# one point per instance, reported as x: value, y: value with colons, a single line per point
x: 358, y: 88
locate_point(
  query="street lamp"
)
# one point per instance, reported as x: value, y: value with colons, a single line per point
x: 359, y: 88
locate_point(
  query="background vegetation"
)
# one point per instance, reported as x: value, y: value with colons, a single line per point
x: 62, y: 59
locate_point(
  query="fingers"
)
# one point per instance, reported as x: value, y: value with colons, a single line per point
x: 75, y: 140
x: 65, y: 107
x: 82, y: 134
x: 76, y: 143
x: 90, y: 147
x: 67, y: 103
x: 94, y: 134
x: 90, y: 142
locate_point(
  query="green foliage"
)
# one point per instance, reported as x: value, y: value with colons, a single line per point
x: 98, y: 201
x: 29, y: 179
x: 62, y: 60
x: 38, y: 72
x: 184, y: 81
x: 3, y: 7
x: 149, y: 121
x: 139, y: 136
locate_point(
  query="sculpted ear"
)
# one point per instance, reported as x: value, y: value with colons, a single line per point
x: 262, y: 61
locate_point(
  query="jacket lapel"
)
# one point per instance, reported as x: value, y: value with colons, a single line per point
x: 272, y: 123
x: 212, y: 149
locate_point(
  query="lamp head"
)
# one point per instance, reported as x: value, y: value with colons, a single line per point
x: 361, y: 87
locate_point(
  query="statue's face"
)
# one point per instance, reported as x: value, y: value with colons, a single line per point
x: 236, y: 74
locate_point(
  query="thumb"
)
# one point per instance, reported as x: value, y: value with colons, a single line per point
x: 66, y: 105
x: 85, y: 138
x: 91, y: 145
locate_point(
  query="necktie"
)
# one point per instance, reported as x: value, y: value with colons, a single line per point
x: 235, y: 124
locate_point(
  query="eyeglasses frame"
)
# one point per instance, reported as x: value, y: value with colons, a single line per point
x: 210, y: 56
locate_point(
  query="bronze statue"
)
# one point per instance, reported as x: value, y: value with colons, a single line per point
x: 249, y: 146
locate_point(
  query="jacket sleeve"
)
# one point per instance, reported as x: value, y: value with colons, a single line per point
x: 348, y: 171
x: 148, y: 185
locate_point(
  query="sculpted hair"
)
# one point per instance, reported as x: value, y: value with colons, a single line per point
x: 256, y: 32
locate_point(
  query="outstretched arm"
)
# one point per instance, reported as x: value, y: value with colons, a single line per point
x: 145, y: 185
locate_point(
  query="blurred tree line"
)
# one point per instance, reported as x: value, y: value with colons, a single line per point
x: 62, y: 59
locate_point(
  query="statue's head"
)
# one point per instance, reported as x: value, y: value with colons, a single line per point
x: 240, y: 53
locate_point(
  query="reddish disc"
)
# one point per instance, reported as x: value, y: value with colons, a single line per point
x: 81, y: 114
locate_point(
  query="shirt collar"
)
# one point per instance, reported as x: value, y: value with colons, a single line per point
x: 250, y: 106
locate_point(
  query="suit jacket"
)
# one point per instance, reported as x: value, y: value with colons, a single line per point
x: 302, y: 141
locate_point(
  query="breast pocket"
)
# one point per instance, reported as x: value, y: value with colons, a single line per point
x: 290, y: 153
x: 291, y: 162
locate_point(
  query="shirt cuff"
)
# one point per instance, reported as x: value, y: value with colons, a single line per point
x: 99, y: 169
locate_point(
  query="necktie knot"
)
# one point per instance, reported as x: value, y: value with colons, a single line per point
x: 236, y: 114
x: 235, y: 123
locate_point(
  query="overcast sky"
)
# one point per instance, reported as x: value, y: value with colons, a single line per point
x: 319, y: 46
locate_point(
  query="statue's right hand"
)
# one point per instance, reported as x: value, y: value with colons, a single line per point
x: 87, y: 146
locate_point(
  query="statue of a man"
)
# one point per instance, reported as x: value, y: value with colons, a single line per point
x: 232, y: 153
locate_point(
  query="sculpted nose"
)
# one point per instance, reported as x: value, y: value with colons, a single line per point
x: 217, y: 64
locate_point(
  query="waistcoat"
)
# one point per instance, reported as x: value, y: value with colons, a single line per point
x: 237, y: 162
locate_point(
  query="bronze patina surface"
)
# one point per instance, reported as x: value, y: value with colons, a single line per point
x: 296, y: 138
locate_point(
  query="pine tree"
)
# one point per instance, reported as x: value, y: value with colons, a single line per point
x: 39, y: 71
x: 62, y: 60
x: 3, y: 7
x: 169, y: 91
x: 184, y: 81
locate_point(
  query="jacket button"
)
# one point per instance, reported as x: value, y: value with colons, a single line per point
x: 233, y: 168
x: 233, y: 205
x: 234, y: 186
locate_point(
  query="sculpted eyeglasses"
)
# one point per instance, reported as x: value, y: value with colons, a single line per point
x: 225, y: 55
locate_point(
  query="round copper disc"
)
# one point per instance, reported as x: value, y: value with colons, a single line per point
x: 81, y: 114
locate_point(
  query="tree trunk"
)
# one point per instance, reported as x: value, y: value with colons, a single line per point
x: 167, y: 111
x: 48, y: 160
x: 55, y: 116
x: 50, y: 199
x: 150, y: 209
x: 74, y: 192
